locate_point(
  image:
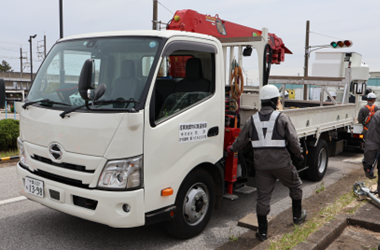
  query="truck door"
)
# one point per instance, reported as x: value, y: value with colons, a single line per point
x: 184, y: 118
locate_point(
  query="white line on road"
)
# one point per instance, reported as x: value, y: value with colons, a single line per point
x: 354, y: 160
x: 20, y: 198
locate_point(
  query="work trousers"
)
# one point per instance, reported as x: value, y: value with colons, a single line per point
x: 378, y: 175
x: 266, y: 179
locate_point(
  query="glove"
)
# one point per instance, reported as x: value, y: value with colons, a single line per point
x: 229, y: 151
x: 300, y: 161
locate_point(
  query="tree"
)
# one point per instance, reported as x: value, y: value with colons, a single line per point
x: 5, y: 67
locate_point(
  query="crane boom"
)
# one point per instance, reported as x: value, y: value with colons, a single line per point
x: 192, y: 21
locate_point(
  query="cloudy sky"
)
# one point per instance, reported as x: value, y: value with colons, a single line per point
x: 329, y: 20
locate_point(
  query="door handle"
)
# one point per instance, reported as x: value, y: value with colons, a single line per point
x: 214, y: 131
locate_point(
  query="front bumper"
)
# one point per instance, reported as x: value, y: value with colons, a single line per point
x: 109, y: 205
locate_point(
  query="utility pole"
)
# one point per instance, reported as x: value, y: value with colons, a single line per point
x: 306, y: 67
x: 21, y: 66
x: 44, y: 46
x: 31, y: 60
x: 155, y: 14
x: 61, y: 18
x: 41, y: 48
x: 21, y: 63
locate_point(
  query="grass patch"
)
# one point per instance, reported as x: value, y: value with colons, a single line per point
x: 232, y: 237
x: 300, y: 233
x: 10, y: 152
x: 321, y: 188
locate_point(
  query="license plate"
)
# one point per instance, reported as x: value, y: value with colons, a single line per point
x: 35, y: 187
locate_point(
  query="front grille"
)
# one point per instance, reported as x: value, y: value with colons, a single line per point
x: 57, y: 178
x: 62, y: 165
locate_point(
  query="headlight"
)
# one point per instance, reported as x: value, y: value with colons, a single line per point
x: 21, y: 148
x: 122, y: 174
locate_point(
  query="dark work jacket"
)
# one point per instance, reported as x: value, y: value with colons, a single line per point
x: 275, y: 139
x: 363, y: 113
x: 372, y: 140
x: 271, y: 158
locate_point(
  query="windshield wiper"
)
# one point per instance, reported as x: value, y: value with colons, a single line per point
x: 44, y: 100
x: 118, y: 100
x: 121, y: 100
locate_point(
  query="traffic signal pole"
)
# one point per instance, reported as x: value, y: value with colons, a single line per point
x: 306, y: 66
x: 155, y: 14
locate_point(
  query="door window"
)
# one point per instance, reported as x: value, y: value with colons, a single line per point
x: 186, y: 78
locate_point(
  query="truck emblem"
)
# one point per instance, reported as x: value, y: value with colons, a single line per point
x: 55, y: 152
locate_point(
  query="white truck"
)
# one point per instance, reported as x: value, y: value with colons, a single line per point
x: 123, y: 141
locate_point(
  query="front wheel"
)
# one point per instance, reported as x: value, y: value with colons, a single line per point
x: 318, y: 159
x: 195, y: 202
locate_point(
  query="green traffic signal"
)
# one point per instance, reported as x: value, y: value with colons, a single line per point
x: 334, y: 44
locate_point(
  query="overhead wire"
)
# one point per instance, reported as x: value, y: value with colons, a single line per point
x: 13, y: 43
x: 320, y: 34
x: 166, y: 8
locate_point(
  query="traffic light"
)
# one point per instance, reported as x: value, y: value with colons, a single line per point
x: 341, y: 44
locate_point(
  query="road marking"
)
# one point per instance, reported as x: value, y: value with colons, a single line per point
x: 20, y: 198
x: 354, y: 160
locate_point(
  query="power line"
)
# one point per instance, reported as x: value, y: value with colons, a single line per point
x: 323, y: 35
x: 166, y: 8
x: 8, y: 49
x: 13, y: 43
x: 49, y: 31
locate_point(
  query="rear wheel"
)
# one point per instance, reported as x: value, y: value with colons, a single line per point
x: 318, y: 158
x: 195, y: 202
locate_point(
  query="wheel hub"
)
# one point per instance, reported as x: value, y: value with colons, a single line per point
x: 322, y: 160
x: 195, y: 204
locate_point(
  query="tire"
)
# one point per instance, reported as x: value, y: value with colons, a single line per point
x: 318, y: 159
x: 195, y: 202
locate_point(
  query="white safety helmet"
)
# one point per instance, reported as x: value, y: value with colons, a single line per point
x: 333, y: 93
x: 268, y: 92
x: 371, y: 96
x: 286, y: 93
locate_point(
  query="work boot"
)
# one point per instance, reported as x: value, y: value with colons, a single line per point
x: 299, y: 214
x: 369, y: 175
x: 301, y: 219
x: 261, y: 233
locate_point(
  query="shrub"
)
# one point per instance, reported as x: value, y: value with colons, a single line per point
x: 9, y: 131
x: 12, y: 109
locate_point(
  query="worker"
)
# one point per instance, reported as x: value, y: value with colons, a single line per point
x: 372, y: 148
x: 366, y: 112
x: 367, y: 91
x: 333, y: 94
x: 273, y: 138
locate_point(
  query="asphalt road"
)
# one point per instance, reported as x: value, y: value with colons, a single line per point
x: 28, y: 225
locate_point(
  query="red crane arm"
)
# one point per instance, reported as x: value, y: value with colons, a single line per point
x: 192, y: 21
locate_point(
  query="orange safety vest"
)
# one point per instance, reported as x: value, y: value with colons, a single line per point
x: 370, y: 114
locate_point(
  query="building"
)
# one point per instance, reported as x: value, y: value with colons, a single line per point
x: 374, y: 79
x: 16, y: 84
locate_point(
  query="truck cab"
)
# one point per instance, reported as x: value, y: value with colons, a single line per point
x: 147, y: 149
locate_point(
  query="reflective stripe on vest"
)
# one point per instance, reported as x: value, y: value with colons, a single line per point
x: 266, y: 141
x: 371, y: 110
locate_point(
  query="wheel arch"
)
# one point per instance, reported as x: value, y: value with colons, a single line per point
x: 216, y: 171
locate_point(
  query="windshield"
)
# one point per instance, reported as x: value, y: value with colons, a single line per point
x: 122, y: 64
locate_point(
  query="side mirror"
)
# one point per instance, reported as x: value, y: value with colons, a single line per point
x: 86, y: 80
x: 2, y: 93
x: 99, y: 91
